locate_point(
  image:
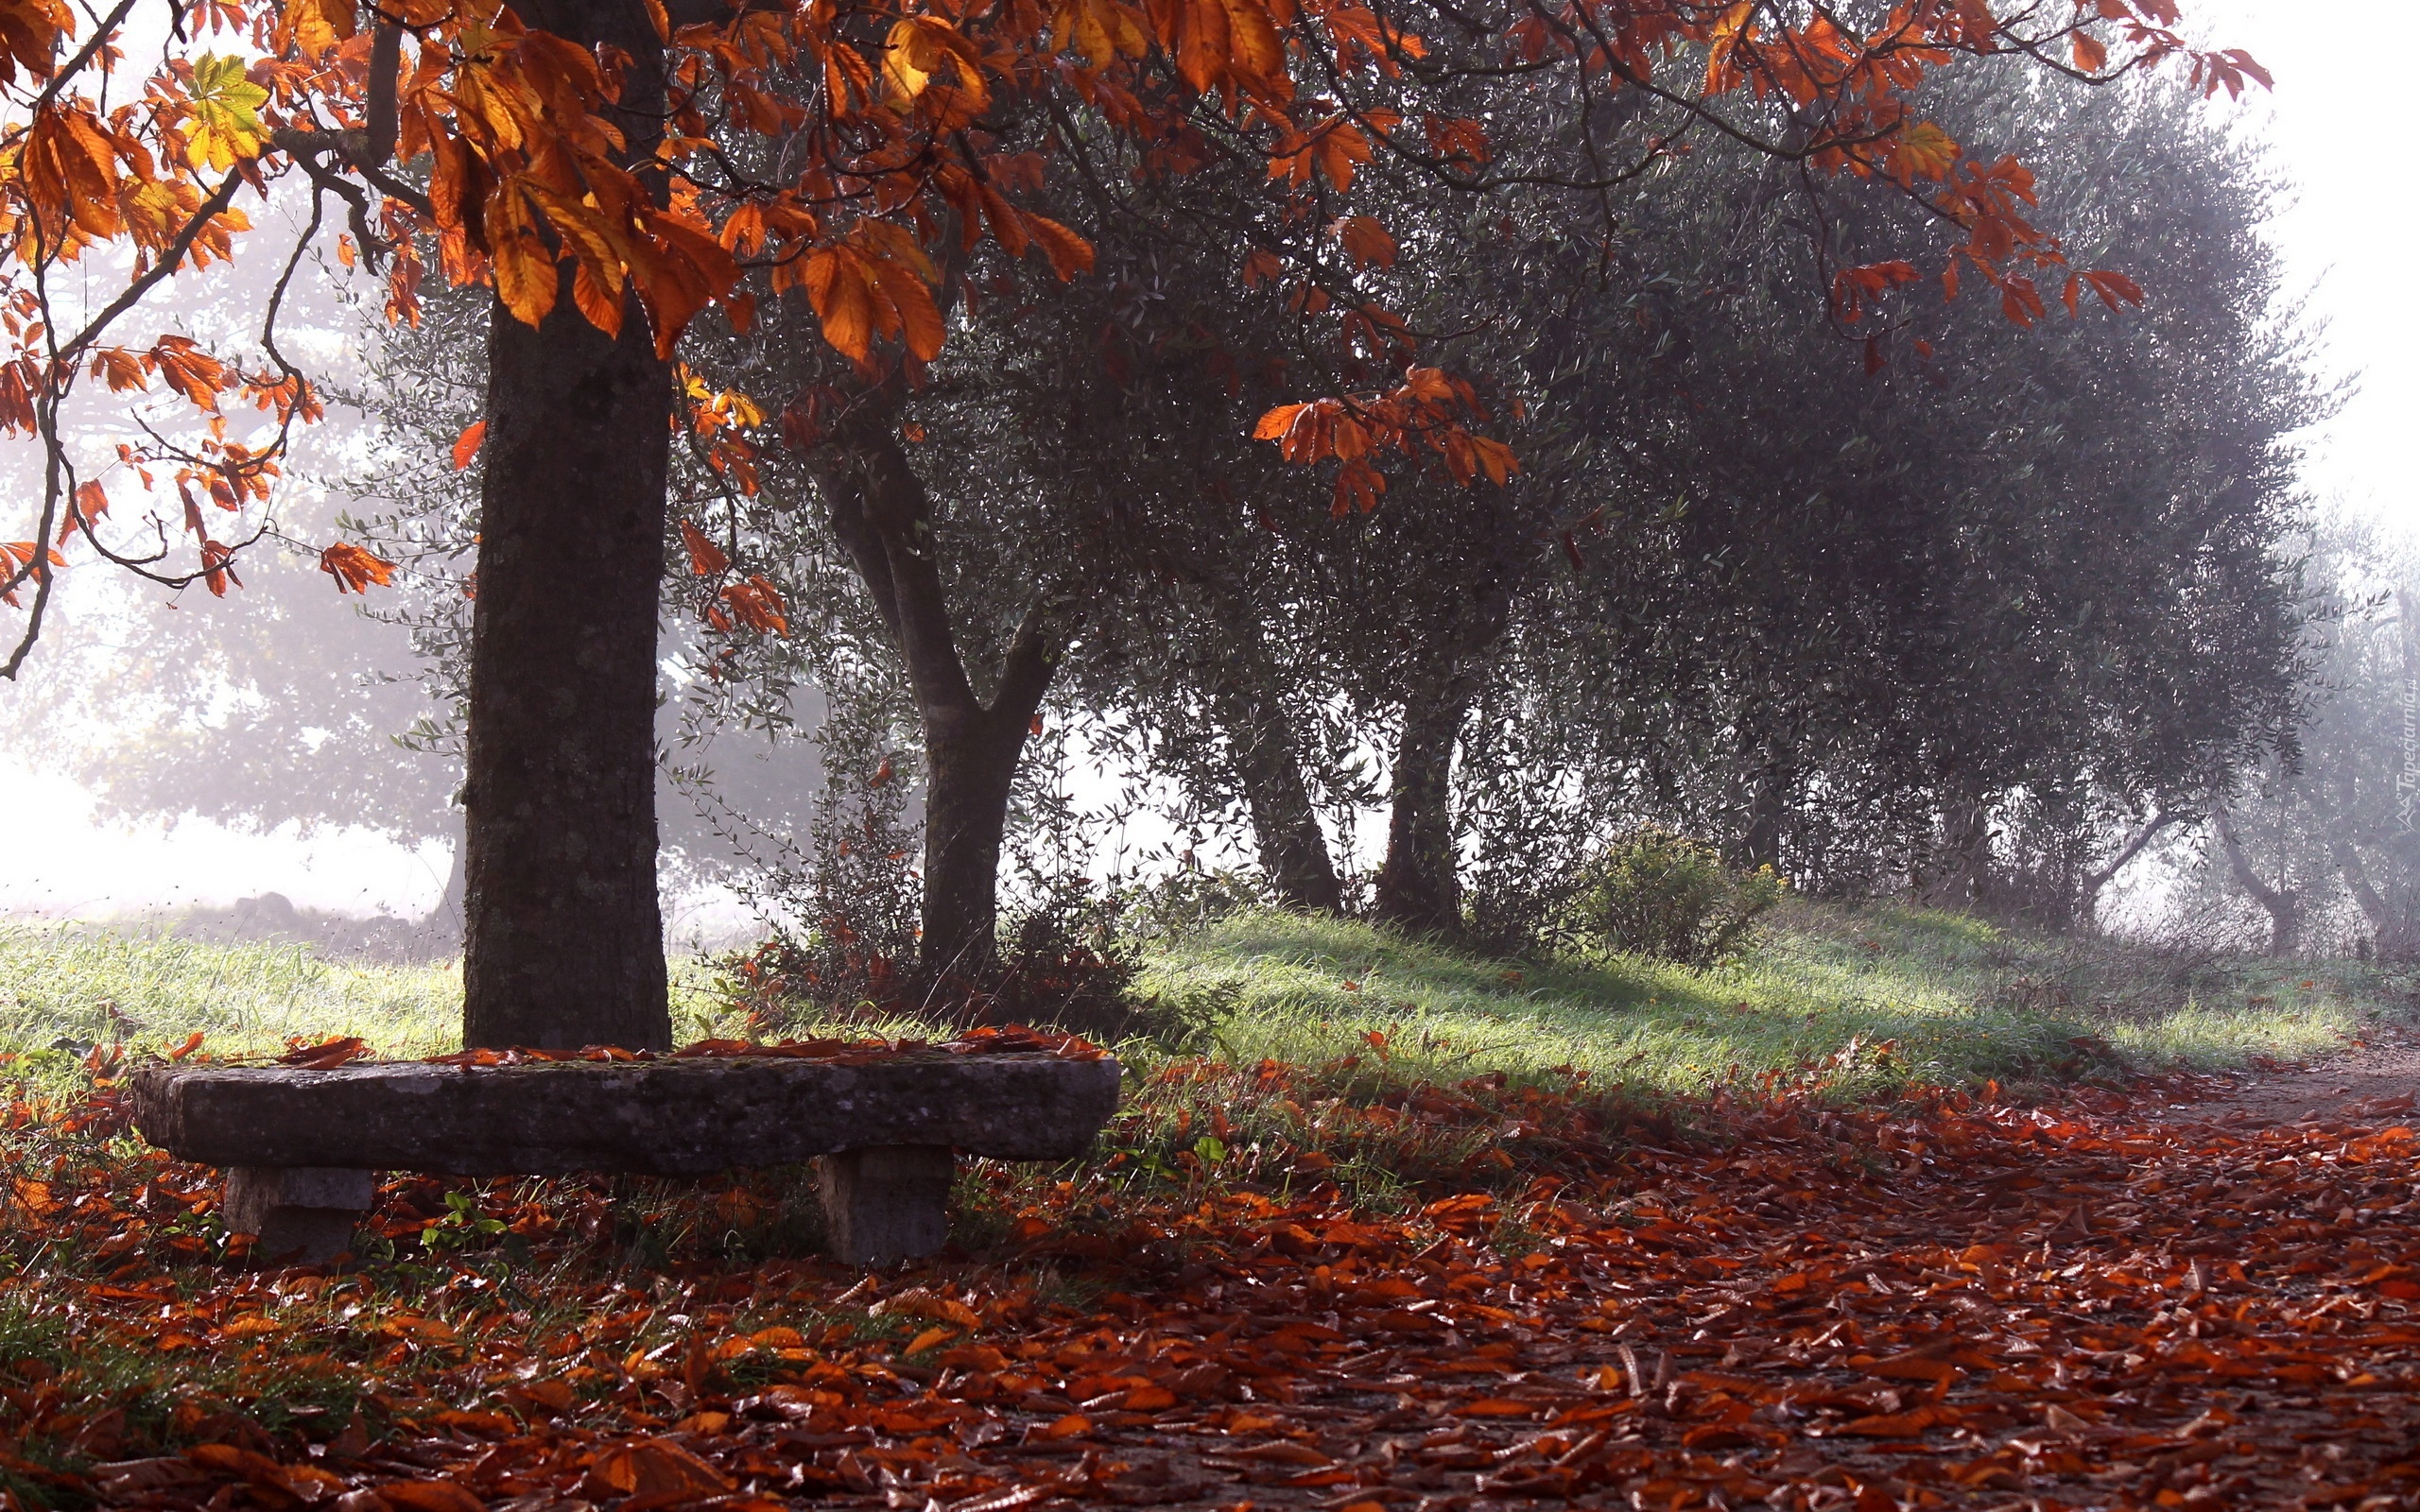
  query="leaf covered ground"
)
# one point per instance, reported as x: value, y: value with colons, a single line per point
x: 1945, y: 1298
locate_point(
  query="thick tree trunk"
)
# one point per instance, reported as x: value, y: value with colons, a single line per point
x: 564, y: 941
x: 1285, y: 827
x: 1417, y: 888
x: 2283, y: 905
x: 1760, y: 841
x: 1961, y: 868
x: 971, y: 766
x: 2390, y: 933
x: 882, y: 515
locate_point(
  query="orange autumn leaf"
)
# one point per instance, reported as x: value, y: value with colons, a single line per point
x: 755, y: 603
x: 656, y: 1471
x: 354, y: 568
x: 466, y: 445
x: 325, y: 1054
x: 706, y: 560
x: 1366, y: 242
x: 1899, y: 1425
x: 429, y: 1496
x: 1828, y: 1310
x: 31, y: 31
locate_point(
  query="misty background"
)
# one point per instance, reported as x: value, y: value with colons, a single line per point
x: 167, y: 752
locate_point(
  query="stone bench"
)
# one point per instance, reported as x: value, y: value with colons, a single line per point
x: 303, y: 1148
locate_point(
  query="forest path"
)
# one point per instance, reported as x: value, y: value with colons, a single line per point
x: 2378, y: 1076
x: 2110, y: 1299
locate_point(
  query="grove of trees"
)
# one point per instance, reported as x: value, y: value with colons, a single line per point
x: 1528, y: 422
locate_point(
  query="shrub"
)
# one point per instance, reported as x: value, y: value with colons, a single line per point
x: 1663, y: 895
x: 1186, y: 900
x: 1069, y: 957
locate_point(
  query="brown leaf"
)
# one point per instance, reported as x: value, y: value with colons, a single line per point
x: 654, y: 1472
x: 429, y: 1496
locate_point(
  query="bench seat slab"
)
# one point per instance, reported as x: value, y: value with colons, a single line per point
x: 663, y: 1118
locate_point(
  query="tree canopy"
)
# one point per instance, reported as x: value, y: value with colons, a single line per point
x: 611, y: 170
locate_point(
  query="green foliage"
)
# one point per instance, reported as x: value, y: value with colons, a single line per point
x: 1662, y: 894
x: 1188, y: 900
x: 1064, y: 962
x: 461, y: 1227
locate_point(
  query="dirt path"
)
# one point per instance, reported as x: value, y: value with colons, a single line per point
x: 2377, y: 1079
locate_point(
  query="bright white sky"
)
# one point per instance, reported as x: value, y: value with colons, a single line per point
x: 2345, y: 237
x: 2337, y: 106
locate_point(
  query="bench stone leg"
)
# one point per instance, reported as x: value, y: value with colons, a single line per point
x: 886, y: 1204
x: 309, y: 1209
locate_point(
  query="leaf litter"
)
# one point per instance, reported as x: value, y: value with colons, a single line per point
x: 1949, y: 1299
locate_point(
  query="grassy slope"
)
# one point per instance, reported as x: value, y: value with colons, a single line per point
x: 1284, y: 1086
x: 1931, y: 996
x: 89, y: 986
x: 1924, y: 995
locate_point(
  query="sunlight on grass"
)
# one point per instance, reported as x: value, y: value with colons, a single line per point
x: 1904, y: 994
x: 2208, y: 1039
x: 1930, y: 996
x: 89, y: 985
x: 94, y: 985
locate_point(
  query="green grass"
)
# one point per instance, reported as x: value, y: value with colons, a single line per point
x: 1887, y: 995
x: 94, y: 985
x: 87, y: 985
x: 1305, y: 1050
x: 1922, y: 996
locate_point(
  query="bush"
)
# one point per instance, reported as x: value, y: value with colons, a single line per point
x: 1069, y: 957
x: 1659, y: 894
x: 1188, y: 900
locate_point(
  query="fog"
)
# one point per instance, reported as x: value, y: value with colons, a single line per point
x: 169, y: 751
x: 2344, y: 238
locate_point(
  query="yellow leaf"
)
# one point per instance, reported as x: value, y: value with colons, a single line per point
x: 525, y: 279
x: 837, y: 288
x: 917, y: 47
x: 908, y: 63
x: 319, y: 25
x: 1926, y: 148
x: 226, y: 124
